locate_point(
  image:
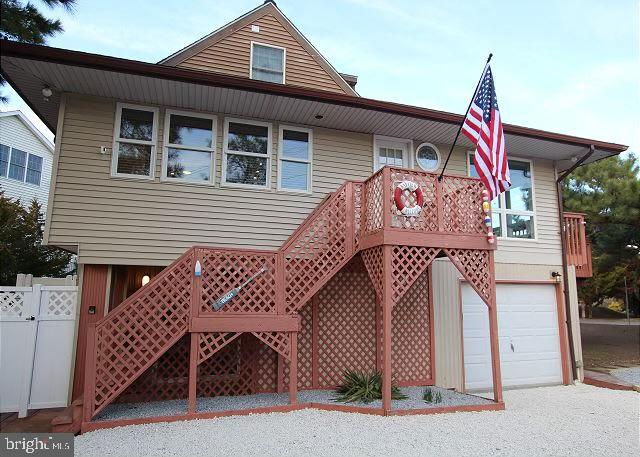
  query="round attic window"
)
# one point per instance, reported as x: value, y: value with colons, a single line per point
x: 428, y: 157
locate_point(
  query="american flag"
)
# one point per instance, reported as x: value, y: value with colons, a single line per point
x: 484, y: 128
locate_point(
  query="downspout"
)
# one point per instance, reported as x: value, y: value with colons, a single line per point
x: 565, y: 267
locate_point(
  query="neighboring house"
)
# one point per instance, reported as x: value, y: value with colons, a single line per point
x: 248, y: 149
x: 26, y: 157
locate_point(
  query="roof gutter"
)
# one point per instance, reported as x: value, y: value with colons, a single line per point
x: 134, y: 67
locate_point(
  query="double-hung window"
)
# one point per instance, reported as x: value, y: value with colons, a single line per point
x: 267, y: 62
x: 189, y: 147
x: 246, y: 153
x: 513, y: 211
x: 294, y: 157
x: 20, y: 166
x: 134, y: 145
x: 34, y: 170
x: 17, y: 164
x: 4, y: 160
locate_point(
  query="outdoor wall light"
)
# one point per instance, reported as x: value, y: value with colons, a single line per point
x: 46, y: 93
x: 557, y: 276
x: 145, y: 280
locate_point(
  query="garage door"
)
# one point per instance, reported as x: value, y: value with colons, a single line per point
x: 528, y: 330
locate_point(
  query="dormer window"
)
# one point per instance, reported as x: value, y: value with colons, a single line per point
x: 267, y: 62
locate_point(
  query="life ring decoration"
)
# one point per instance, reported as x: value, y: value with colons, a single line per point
x: 411, y: 186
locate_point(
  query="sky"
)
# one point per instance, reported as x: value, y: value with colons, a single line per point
x: 569, y: 66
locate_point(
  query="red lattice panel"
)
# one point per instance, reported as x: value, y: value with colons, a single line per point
x: 373, y: 259
x: 462, y: 205
x: 346, y: 325
x: 427, y: 220
x: 166, y: 379
x: 266, y: 368
x: 410, y: 344
x: 224, y: 270
x: 230, y: 371
x: 474, y: 264
x: 278, y: 341
x: 317, y: 251
x: 211, y: 342
x: 305, y: 356
x: 408, y: 263
x: 141, y: 329
x: 373, y: 209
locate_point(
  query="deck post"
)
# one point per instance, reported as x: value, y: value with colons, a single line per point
x: 193, y: 372
x: 386, y: 327
x: 493, y: 334
x: 293, y: 368
x: 90, y: 373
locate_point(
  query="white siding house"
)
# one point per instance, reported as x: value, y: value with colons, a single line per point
x: 26, y: 157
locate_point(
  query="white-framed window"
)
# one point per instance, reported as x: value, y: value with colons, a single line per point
x: 391, y: 151
x: 428, y: 157
x: 246, y: 153
x: 267, y: 62
x: 513, y: 211
x: 134, y: 143
x: 20, y: 166
x: 189, y: 142
x: 295, y: 156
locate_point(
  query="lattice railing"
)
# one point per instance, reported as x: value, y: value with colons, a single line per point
x: 427, y: 220
x: 131, y: 338
x: 462, y: 205
x: 450, y: 206
x: 225, y: 269
x: 373, y: 205
x: 318, y: 249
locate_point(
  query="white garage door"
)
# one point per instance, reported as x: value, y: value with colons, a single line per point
x: 528, y: 330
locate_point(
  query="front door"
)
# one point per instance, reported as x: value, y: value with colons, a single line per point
x: 391, y: 153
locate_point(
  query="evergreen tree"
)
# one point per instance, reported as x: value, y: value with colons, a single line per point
x: 608, y: 192
x: 23, y: 22
x: 21, y: 249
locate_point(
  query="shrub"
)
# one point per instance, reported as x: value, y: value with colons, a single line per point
x: 364, y: 387
x: 429, y: 397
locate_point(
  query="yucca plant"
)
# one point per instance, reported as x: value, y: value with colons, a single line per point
x: 428, y: 395
x: 364, y: 387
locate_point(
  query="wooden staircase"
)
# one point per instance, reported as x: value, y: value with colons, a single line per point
x: 126, y: 342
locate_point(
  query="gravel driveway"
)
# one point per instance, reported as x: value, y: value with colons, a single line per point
x: 573, y: 420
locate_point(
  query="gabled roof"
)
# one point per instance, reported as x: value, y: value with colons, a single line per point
x: 268, y: 7
x: 28, y: 124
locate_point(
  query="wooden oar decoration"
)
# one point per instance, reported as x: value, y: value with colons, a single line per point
x: 226, y: 298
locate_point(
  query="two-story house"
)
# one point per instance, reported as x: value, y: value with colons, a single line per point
x: 248, y: 155
x: 26, y: 158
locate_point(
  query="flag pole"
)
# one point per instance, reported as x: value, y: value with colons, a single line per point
x: 463, y: 118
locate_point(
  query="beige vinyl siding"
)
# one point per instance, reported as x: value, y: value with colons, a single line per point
x: 130, y: 221
x: 231, y: 56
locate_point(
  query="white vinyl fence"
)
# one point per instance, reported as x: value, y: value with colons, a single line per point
x: 37, y: 327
